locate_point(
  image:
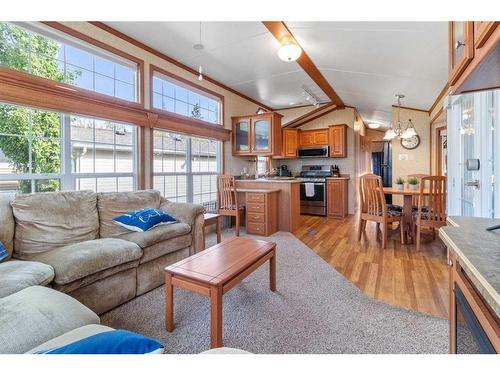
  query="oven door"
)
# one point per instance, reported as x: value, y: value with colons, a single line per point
x: 470, y: 337
x: 319, y: 197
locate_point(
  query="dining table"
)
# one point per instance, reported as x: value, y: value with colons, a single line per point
x: 408, y: 195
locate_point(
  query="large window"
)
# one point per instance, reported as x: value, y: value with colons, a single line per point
x: 174, y: 96
x: 185, y: 168
x: 41, y: 51
x: 49, y: 151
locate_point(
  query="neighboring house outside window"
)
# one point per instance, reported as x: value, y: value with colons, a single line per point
x: 42, y: 51
x: 50, y: 151
x: 171, y: 95
x: 185, y: 168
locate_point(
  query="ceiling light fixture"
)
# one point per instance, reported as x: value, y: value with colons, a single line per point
x: 373, y: 125
x: 199, y: 46
x: 289, y: 50
x: 400, y: 131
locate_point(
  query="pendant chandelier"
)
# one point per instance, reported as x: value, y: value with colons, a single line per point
x: 403, y: 131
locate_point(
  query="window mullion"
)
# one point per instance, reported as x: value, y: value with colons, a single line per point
x: 189, y: 169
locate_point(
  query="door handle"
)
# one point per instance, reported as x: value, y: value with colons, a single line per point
x: 474, y: 183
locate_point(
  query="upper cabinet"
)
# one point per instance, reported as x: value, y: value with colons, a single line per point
x: 257, y: 134
x: 482, y: 31
x: 290, y: 143
x: 313, y: 137
x: 338, y: 141
x: 461, y: 48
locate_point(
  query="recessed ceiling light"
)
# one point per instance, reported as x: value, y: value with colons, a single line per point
x: 373, y: 125
x: 289, y: 50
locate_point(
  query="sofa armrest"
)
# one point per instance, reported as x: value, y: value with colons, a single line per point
x: 191, y: 214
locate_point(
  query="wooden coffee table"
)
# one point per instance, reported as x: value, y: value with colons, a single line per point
x: 215, y: 271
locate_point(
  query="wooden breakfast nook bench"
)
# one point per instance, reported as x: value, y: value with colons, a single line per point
x: 215, y: 271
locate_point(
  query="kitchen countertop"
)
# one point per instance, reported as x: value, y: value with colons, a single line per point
x: 272, y: 180
x: 338, y: 178
x: 477, y: 252
x: 246, y: 190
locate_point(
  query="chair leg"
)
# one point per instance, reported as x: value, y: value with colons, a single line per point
x: 360, y: 227
x: 238, y: 224
x: 434, y: 234
x: 418, y: 237
x: 384, y: 236
x: 378, y: 228
x: 402, y: 232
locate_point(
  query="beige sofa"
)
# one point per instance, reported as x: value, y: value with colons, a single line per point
x: 67, y: 240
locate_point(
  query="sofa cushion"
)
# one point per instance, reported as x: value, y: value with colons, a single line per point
x: 72, y: 336
x: 111, y: 205
x: 157, y: 234
x: 166, y: 247
x: 36, y: 314
x: 47, y: 221
x: 20, y: 274
x: 76, y: 261
x: 7, y: 226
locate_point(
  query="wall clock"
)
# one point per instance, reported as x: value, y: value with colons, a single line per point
x: 410, y: 143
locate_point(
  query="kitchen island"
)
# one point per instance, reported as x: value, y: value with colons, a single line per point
x: 288, y: 199
x: 474, y: 260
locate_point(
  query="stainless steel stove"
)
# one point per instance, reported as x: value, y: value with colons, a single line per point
x: 313, y: 189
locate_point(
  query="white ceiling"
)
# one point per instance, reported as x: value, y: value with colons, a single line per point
x: 366, y: 63
x: 242, y: 55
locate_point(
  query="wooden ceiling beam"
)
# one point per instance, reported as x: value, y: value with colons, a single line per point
x: 281, y: 31
x: 307, y: 116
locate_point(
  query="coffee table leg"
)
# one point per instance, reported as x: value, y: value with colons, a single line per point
x: 215, y: 317
x: 169, y: 303
x: 272, y: 272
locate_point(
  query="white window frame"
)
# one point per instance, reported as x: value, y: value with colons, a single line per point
x: 65, y: 39
x: 66, y: 177
x: 193, y: 89
x: 188, y: 173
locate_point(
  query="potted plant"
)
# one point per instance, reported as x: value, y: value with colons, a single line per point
x: 412, y: 183
x: 399, y: 184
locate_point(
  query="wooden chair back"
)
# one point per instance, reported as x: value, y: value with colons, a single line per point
x: 372, y: 198
x: 227, y: 198
x: 435, y: 201
x: 418, y: 176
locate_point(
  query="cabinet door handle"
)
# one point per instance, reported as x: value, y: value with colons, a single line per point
x: 459, y: 44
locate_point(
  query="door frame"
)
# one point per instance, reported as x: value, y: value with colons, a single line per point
x: 438, y: 151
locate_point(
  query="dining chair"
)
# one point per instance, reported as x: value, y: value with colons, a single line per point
x: 414, y: 199
x: 374, y: 208
x: 227, y: 200
x: 433, y: 214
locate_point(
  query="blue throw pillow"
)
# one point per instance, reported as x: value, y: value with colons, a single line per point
x: 3, y: 252
x: 110, y: 342
x: 144, y: 219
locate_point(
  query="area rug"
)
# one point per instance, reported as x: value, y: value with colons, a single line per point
x: 315, y: 310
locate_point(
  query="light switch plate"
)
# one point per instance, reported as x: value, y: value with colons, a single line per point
x: 403, y: 156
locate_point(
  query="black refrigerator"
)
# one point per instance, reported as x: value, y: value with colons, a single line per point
x: 382, y: 165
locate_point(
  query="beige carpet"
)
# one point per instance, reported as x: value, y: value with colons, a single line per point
x: 315, y: 310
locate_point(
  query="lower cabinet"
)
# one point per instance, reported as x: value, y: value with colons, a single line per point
x: 262, y: 212
x: 337, y: 197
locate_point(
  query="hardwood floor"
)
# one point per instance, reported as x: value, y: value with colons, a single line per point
x: 398, y: 275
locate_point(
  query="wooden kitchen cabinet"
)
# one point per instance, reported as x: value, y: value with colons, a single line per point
x: 257, y: 134
x: 461, y: 47
x: 482, y: 31
x: 262, y: 212
x: 290, y: 143
x: 338, y: 141
x: 313, y: 137
x: 337, y: 197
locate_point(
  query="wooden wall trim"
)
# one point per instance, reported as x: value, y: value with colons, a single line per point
x: 436, y: 116
x: 304, y: 117
x: 161, y: 55
x: 439, y: 97
x: 314, y: 118
x: 412, y: 109
x: 76, y: 34
x: 23, y: 88
x: 280, y: 31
